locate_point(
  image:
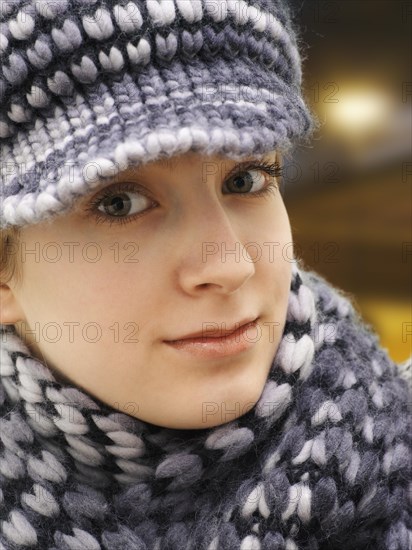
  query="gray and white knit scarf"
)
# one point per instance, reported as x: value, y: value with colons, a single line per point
x: 322, y: 461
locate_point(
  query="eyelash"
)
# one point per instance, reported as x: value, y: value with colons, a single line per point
x: 274, y: 170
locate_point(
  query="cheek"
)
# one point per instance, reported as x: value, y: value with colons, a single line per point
x: 279, y: 256
x: 64, y: 289
x: 274, y: 236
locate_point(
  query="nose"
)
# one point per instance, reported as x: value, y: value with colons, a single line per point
x: 212, y: 257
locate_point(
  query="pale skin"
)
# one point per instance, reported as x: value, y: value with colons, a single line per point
x: 114, y: 313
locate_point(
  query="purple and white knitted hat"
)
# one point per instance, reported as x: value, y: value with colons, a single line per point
x: 91, y: 87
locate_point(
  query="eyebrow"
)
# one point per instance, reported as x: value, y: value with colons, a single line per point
x: 175, y: 161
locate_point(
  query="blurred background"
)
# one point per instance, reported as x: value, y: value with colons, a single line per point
x: 349, y: 192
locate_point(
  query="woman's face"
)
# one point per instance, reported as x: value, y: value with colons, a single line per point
x: 158, y: 253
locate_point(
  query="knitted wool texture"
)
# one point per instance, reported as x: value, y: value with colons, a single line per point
x: 322, y: 460
x: 89, y: 88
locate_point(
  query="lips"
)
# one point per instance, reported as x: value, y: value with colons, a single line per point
x: 208, y: 349
x: 211, y: 332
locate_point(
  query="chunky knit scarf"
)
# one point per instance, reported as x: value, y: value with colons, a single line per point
x: 322, y: 461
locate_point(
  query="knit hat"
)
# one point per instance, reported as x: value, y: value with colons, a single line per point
x: 89, y: 88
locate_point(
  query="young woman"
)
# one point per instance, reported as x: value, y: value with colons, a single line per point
x: 171, y: 377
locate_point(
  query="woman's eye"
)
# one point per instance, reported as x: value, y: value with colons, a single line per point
x: 123, y: 203
x: 243, y: 182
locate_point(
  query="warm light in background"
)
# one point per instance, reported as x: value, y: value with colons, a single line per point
x: 352, y: 193
x: 358, y: 111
